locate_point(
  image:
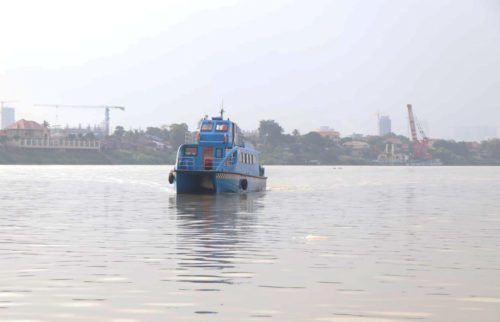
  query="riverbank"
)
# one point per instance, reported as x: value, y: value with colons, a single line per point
x: 22, y: 156
x: 166, y: 157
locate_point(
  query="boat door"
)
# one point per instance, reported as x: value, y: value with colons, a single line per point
x: 208, y: 157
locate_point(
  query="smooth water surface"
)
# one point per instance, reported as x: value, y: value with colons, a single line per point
x: 355, y: 244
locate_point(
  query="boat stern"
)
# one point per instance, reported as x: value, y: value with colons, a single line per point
x: 211, y: 182
x: 195, y: 182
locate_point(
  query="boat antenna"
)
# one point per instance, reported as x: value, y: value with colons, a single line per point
x: 222, y: 110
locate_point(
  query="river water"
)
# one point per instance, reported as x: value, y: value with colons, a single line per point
x: 355, y: 244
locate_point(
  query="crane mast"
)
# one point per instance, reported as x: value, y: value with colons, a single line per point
x: 106, y: 121
x: 420, y: 147
x: 411, y: 119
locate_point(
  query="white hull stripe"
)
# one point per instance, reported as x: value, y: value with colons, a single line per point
x: 232, y: 176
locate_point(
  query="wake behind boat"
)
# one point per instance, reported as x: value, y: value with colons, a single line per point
x: 219, y: 162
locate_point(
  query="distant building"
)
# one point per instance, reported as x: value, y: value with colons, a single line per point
x: 384, y: 125
x: 24, y: 129
x: 329, y: 133
x: 357, y: 145
x: 357, y: 137
x: 357, y: 148
x: 32, y: 135
x: 79, y: 131
x: 395, y: 152
x: 8, y: 116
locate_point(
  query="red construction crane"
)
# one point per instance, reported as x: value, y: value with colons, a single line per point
x: 420, y: 147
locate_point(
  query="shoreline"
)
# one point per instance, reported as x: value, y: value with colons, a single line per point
x: 14, y: 156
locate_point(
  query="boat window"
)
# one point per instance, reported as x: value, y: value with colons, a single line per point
x: 251, y: 159
x: 221, y: 127
x: 218, y: 153
x: 207, y: 127
x: 190, y: 151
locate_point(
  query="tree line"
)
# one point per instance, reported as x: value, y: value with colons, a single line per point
x: 278, y: 147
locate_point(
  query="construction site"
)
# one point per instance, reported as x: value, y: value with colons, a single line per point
x: 416, y: 153
x: 30, y: 142
x: 25, y: 141
x: 28, y: 134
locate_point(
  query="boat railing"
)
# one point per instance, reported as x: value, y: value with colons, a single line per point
x: 186, y: 163
x: 189, y: 163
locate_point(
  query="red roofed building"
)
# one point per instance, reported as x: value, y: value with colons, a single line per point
x: 24, y: 129
x: 329, y: 133
x: 32, y: 135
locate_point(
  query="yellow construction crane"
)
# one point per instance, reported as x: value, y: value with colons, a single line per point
x: 106, y: 108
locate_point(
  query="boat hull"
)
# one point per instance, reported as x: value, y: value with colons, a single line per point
x: 200, y: 182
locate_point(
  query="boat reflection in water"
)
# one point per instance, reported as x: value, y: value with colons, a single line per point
x: 216, y: 237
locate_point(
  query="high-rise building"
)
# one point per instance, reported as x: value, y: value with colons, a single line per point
x: 8, y: 116
x: 384, y: 125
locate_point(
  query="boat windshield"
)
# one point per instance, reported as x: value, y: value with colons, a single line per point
x: 221, y: 127
x: 207, y: 127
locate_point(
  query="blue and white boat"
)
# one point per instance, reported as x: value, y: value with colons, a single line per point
x: 220, y: 161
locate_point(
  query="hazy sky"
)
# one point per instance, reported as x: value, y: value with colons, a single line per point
x: 302, y: 63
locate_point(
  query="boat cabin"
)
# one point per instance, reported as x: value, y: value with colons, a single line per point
x: 220, y: 147
x: 218, y: 130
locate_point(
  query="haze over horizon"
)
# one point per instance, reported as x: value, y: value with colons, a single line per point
x: 303, y: 64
